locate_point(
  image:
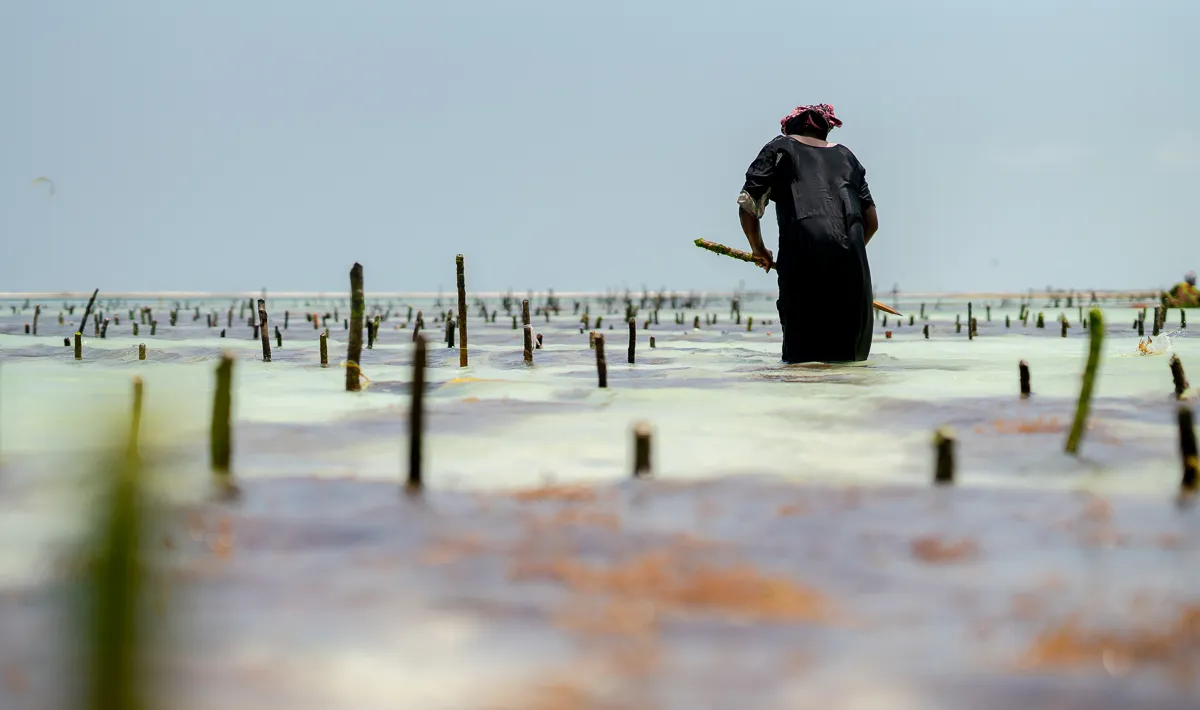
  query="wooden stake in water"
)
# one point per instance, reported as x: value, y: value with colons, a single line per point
x: 601, y: 365
x: 462, y: 311
x: 141, y: 351
x: 925, y: 330
x: 641, y: 450
x: 1024, y: 370
x: 652, y: 341
x: 450, y: 342
x: 1157, y: 320
x: 524, y: 311
x: 416, y: 418
x: 78, y: 345
x: 88, y: 311
x: 528, y: 344
x: 354, y: 348
x: 1181, y: 383
x: 1096, y: 340
x: 943, y: 444
x: 632, y: 339
x: 262, y: 328
x: 220, y: 438
x: 1187, y: 447
x: 37, y: 311
x: 324, y: 350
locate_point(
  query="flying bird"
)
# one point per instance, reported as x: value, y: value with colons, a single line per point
x: 46, y: 180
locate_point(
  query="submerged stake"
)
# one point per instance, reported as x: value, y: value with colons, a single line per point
x: 220, y: 441
x: 1187, y: 447
x: 641, y: 450
x: 1181, y: 383
x: 528, y: 344
x: 601, y: 365
x: 943, y: 443
x: 1096, y: 339
x: 141, y: 351
x: 78, y: 345
x: 1024, y: 370
x: 416, y: 418
x: 632, y: 339
x: 324, y: 350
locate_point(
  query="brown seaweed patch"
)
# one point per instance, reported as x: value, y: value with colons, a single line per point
x: 1175, y: 645
x: 670, y: 583
x: 934, y: 551
x: 566, y: 493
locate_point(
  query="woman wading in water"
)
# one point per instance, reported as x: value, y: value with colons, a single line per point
x: 826, y: 217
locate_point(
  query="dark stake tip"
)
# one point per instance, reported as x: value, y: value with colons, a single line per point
x: 632, y: 339
x: 416, y: 419
x: 601, y: 365
x: 943, y: 442
x: 641, y: 450
x: 1181, y: 383
x: 1187, y: 447
x: 1024, y: 370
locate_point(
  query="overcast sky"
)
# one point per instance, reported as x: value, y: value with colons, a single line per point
x: 224, y: 145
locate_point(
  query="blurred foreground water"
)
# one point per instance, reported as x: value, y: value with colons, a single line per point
x: 790, y: 551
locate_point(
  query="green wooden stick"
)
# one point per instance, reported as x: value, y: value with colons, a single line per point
x: 220, y: 439
x: 1096, y: 339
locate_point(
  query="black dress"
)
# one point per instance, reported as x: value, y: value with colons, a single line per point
x: 825, y: 290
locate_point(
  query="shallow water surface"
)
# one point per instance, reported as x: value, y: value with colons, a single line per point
x: 789, y: 548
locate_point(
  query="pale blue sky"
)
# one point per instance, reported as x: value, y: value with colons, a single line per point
x: 224, y: 145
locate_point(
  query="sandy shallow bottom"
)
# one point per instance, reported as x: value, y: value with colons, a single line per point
x: 788, y: 553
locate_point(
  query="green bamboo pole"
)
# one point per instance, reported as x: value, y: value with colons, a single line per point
x: 220, y: 444
x: 1096, y: 340
x: 116, y: 628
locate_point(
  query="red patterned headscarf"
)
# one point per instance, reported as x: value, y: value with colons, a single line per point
x: 823, y: 110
